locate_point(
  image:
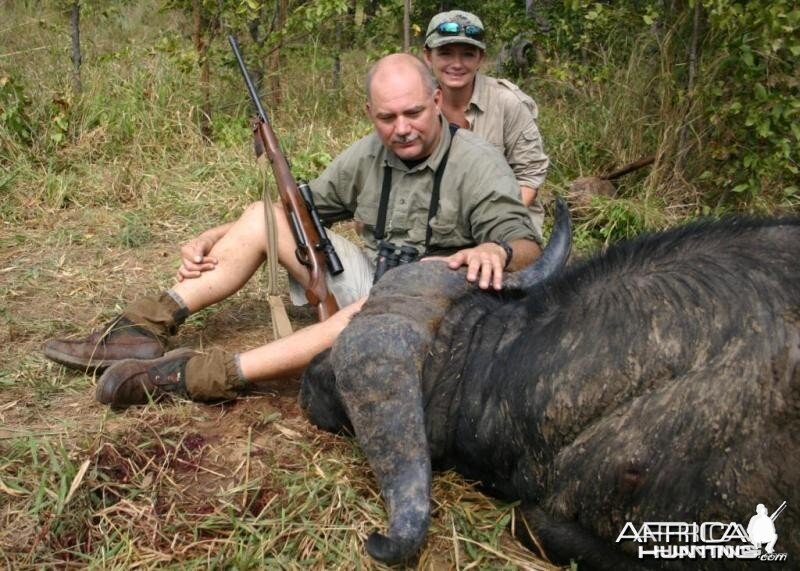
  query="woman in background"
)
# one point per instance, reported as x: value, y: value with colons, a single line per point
x: 496, y: 109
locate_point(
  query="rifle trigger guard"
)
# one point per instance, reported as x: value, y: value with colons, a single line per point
x: 302, y: 257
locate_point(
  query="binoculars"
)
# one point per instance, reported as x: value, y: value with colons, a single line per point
x: 390, y: 256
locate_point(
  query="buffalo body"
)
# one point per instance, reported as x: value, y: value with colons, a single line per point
x: 656, y: 382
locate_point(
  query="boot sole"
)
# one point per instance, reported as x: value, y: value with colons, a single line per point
x: 87, y: 366
x: 108, y: 399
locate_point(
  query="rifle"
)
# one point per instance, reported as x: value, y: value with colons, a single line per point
x: 314, y: 249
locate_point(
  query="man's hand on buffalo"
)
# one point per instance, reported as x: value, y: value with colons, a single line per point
x: 486, y: 262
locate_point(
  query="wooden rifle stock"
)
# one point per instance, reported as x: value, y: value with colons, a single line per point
x: 305, y: 233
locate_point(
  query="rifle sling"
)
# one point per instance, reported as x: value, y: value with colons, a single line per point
x: 386, y: 188
x: 281, y: 326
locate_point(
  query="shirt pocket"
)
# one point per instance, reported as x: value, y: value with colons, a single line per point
x: 367, y: 214
x: 444, y: 234
x: 531, y: 134
x: 447, y: 231
x: 493, y: 135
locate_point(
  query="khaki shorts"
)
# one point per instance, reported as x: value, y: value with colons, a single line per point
x: 349, y: 286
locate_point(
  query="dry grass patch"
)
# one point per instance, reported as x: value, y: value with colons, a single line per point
x: 246, y: 484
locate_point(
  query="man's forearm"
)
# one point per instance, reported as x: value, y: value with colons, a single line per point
x: 528, y: 194
x: 525, y: 252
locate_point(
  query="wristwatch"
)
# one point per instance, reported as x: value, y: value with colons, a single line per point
x: 508, y: 249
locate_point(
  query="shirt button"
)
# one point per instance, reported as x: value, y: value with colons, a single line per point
x: 402, y: 201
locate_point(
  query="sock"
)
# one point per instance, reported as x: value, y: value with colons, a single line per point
x: 160, y: 314
x: 214, y: 375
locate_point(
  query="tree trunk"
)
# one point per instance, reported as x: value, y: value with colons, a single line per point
x: 407, y: 26
x: 259, y: 33
x: 530, y: 9
x: 75, y: 28
x: 352, y: 23
x: 698, y: 7
x: 683, y: 151
x: 337, y: 59
x: 275, y: 57
x: 200, y: 46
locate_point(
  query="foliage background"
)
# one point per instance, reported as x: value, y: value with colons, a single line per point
x: 708, y: 88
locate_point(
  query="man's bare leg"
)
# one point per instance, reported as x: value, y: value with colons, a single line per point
x: 240, y: 252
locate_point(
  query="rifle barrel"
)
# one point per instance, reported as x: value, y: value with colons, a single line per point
x: 251, y: 89
x: 778, y: 511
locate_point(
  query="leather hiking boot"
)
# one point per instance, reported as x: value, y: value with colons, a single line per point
x: 103, y: 347
x: 139, y: 382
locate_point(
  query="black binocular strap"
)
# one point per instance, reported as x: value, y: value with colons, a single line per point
x: 380, y: 224
x: 437, y: 184
x: 386, y: 187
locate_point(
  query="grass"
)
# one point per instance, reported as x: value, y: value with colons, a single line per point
x: 242, y: 486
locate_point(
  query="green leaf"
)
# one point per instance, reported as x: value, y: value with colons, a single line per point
x: 739, y: 188
x: 764, y: 128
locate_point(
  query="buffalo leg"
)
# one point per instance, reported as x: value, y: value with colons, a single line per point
x: 565, y: 541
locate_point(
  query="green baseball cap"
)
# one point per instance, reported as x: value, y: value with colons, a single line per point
x: 455, y: 27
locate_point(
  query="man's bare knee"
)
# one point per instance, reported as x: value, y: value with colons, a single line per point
x: 253, y: 216
x: 253, y: 219
x: 286, y: 237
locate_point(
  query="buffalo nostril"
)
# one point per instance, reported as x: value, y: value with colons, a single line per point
x: 388, y: 550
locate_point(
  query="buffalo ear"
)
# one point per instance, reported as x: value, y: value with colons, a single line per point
x: 319, y: 397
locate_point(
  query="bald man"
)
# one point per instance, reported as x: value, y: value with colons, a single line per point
x: 478, y: 221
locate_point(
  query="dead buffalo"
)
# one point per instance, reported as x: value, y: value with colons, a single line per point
x: 656, y: 382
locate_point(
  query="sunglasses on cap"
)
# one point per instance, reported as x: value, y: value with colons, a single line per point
x: 455, y: 29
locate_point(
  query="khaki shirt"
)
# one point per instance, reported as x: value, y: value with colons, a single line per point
x: 505, y: 116
x: 479, y: 197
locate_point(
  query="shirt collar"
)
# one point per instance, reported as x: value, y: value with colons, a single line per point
x: 479, y: 101
x: 480, y: 93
